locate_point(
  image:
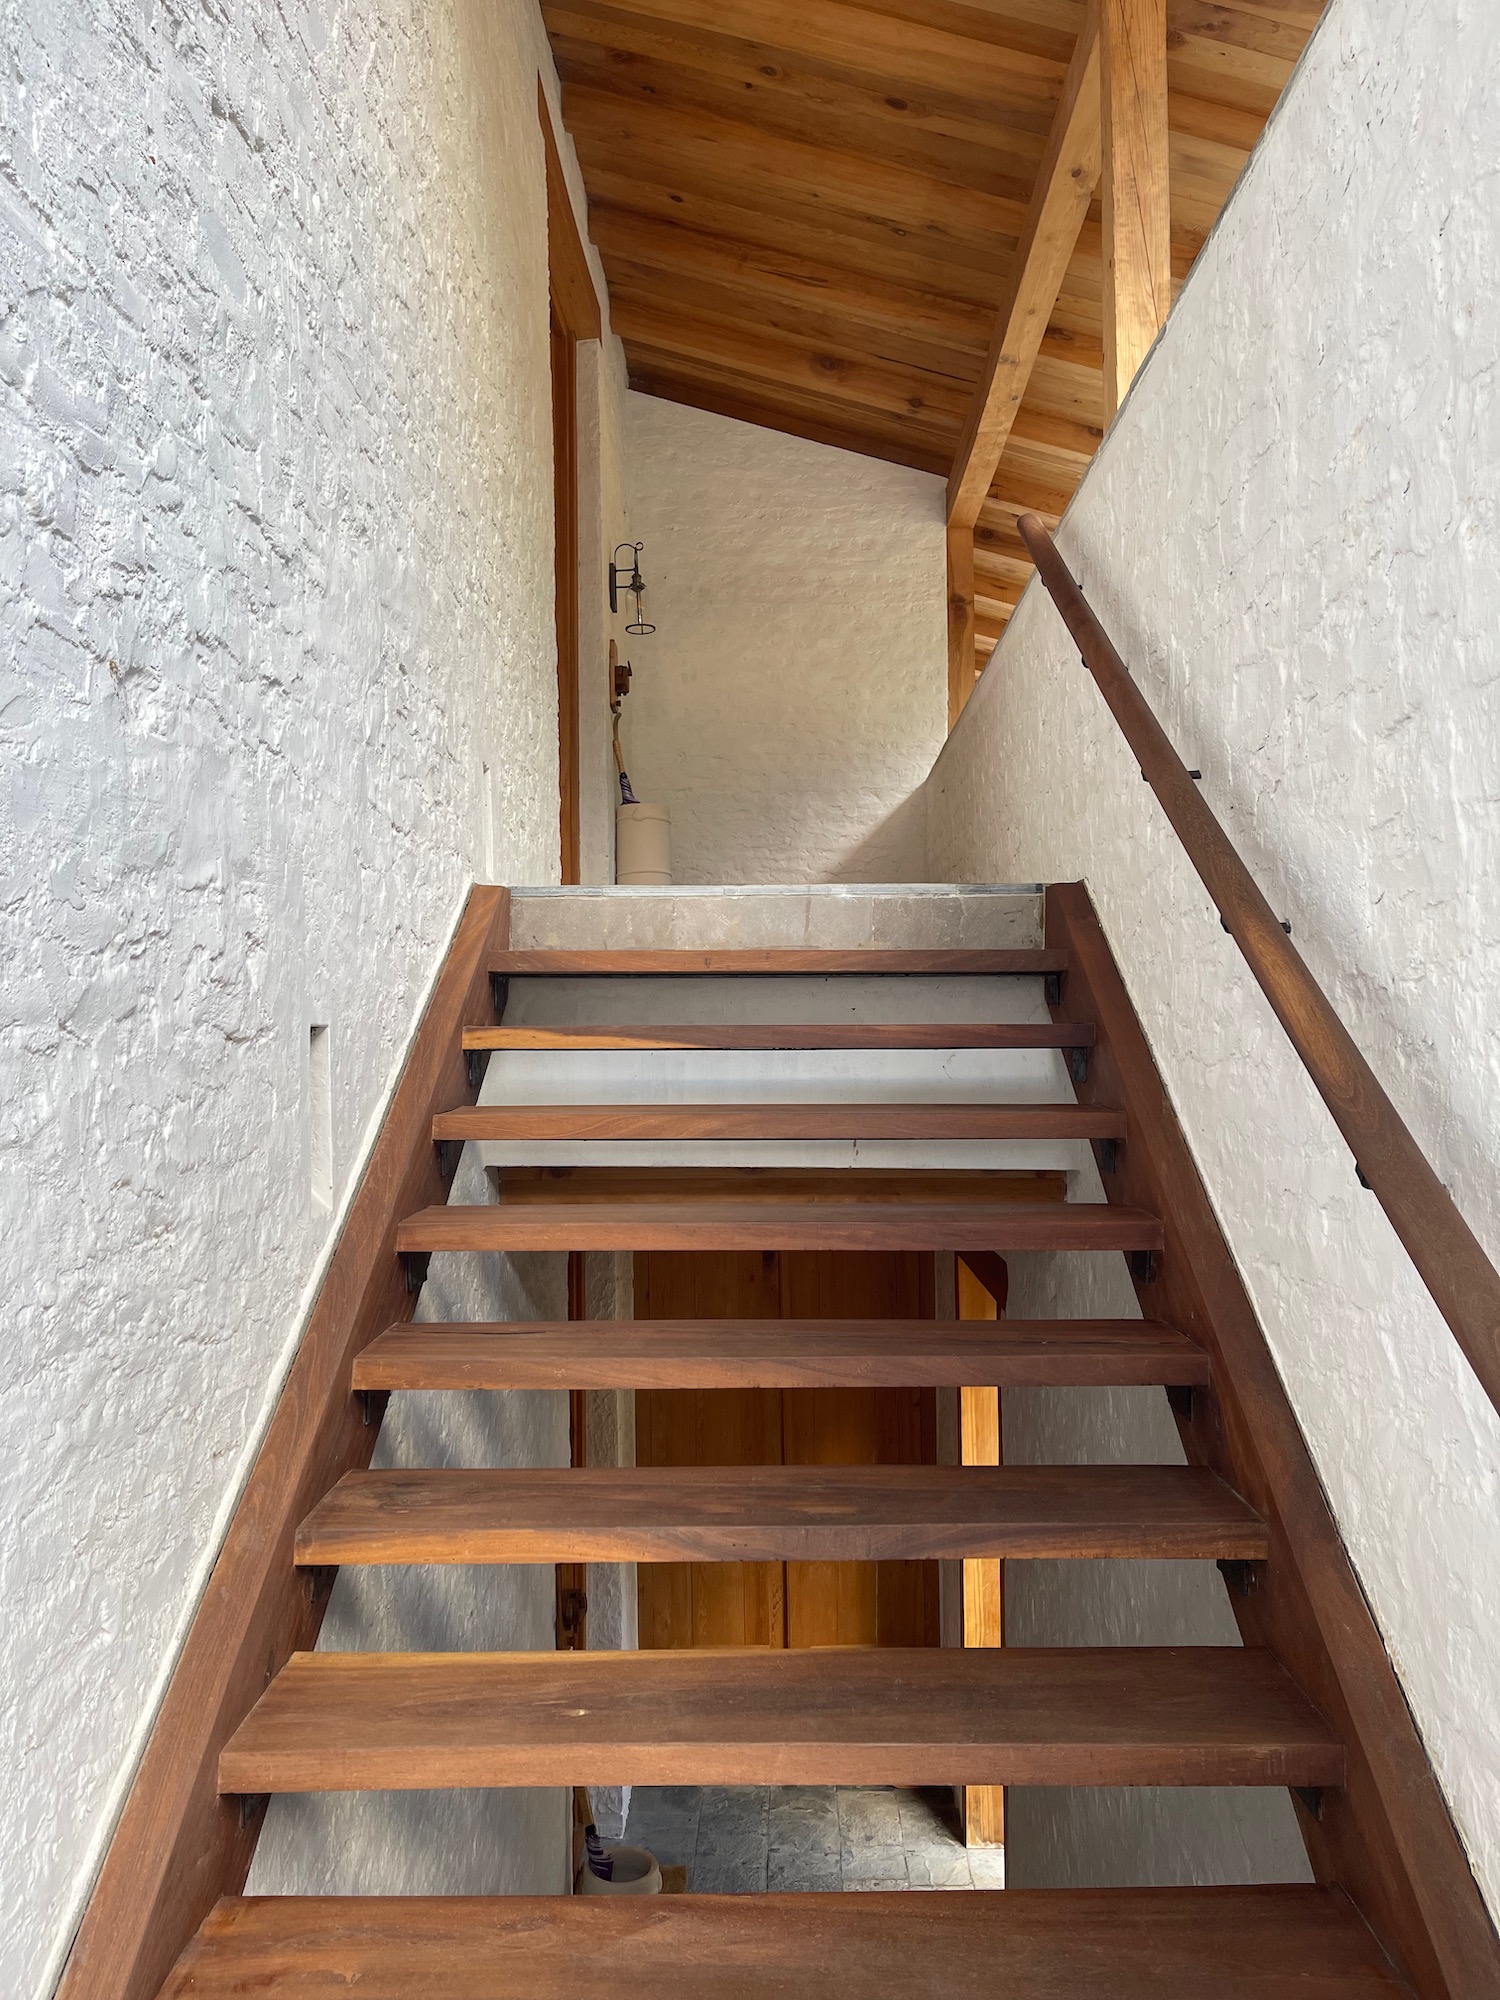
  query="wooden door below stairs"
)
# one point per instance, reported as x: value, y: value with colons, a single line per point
x: 792, y: 1604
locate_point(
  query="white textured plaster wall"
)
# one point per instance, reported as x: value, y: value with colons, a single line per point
x: 1085, y: 1837
x: 794, y: 693
x: 1293, y: 532
x: 275, y: 589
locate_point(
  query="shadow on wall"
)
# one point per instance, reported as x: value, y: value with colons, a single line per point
x: 893, y: 851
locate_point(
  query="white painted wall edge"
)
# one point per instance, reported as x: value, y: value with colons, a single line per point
x: 245, y: 1465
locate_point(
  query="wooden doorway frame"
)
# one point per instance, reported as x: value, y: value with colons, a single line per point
x: 574, y: 316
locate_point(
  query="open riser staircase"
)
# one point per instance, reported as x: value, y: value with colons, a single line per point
x: 760, y: 1097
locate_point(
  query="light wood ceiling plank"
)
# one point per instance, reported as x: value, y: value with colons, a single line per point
x: 974, y: 158
x: 996, y: 574
x: 1041, y: 27
x: 816, y: 368
x: 735, y: 156
x: 1057, y: 211
x: 1029, y: 463
x: 1012, y: 125
x: 846, y: 247
x: 866, y: 41
x: 1022, y: 496
x: 1254, y: 41
x: 638, y: 242
x: 644, y: 285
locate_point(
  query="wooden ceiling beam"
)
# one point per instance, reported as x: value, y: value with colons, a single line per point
x: 1059, y: 207
x: 1137, y: 225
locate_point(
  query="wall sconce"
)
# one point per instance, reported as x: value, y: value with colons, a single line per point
x: 622, y: 579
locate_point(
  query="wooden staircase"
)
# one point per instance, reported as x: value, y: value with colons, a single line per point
x: 1309, y: 1701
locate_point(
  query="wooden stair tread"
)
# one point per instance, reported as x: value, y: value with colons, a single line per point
x: 1114, y: 1715
x: 1261, y: 1943
x: 779, y: 1121
x: 780, y: 1354
x: 773, y: 1513
x: 794, y: 1035
x: 776, y: 1225
x: 971, y: 962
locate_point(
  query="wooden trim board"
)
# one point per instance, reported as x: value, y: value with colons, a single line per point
x: 178, y: 1846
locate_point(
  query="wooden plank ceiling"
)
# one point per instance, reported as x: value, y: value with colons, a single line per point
x: 809, y: 213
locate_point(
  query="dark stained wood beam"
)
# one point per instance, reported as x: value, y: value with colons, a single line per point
x: 1058, y: 209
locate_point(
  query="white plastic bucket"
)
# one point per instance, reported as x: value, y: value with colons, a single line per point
x: 636, y: 1872
x: 643, y: 845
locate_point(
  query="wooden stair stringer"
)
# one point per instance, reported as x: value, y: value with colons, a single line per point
x: 1386, y: 1836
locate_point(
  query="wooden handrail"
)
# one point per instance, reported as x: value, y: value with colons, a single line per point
x: 1449, y: 1258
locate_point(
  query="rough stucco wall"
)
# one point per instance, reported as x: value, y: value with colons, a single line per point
x: 1315, y: 447
x: 275, y: 589
x: 795, y: 691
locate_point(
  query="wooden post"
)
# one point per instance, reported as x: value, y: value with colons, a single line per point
x: 1059, y: 205
x: 960, y: 620
x: 984, y: 1577
x: 1137, y: 219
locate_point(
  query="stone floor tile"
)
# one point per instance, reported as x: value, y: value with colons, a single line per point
x: 728, y: 1877
x: 987, y: 1867
x: 670, y: 1798
x: 867, y: 1818
x: 926, y: 1869
x: 873, y: 1863
x: 929, y: 1815
x: 793, y: 1870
